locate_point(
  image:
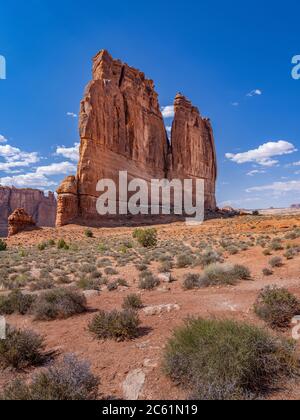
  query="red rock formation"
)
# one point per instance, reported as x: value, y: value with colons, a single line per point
x: 122, y: 129
x: 193, y: 148
x: 19, y: 221
x: 35, y: 203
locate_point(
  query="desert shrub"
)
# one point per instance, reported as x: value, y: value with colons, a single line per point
x: 255, y: 213
x: 88, y: 233
x: 115, y: 325
x: 21, y: 348
x: 114, y: 285
x: 142, y: 267
x: 146, y: 237
x: 132, y: 301
x: 110, y: 271
x: 233, y: 250
x: 191, y: 281
x: 59, y: 304
x: 166, y: 267
x: 184, y: 260
x: 16, y: 301
x: 267, y: 252
x: 290, y: 253
x: 277, y: 306
x: 209, y: 257
x: 223, y: 274
x: 86, y: 283
x: 42, y: 246
x: 275, y: 262
x: 220, y: 360
x: 267, y: 272
x: 122, y: 282
x: 45, y: 283
x: 62, y: 245
x: 148, y: 281
x: 68, y: 380
x: 276, y: 245
x: 3, y: 245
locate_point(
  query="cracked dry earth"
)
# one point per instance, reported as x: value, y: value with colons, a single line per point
x: 132, y: 369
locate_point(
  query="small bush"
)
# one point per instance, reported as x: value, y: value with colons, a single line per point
x: 191, y: 281
x: 226, y: 360
x: 88, y: 233
x: 133, y: 301
x: 223, y: 274
x: 267, y: 272
x: 166, y: 267
x: 184, y: 261
x: 89, y: 284
x: 69, y: 380
x: 277, y: 306
x: 276, y: 245
x: 16, y: 301
x: 110, y: 271
x: 3, y: 245
x: 59, y: 304
x: 146, y: 237
x: 276, y: 262
x: 267, y: 252
x: 62, y: 245
x: 114, y: 285
x: 21, y: 348
x: 148, y: 281
x: 116, y: 325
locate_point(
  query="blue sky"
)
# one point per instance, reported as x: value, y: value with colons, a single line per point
x: 233, y: 59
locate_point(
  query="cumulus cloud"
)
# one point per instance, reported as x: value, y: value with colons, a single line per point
x: 277, y: 187
x: 168, y: 111
x: 27, y: 180
x: 16, y: 158
x: 255, y: 172
x: 62, y: 168
x: 72, y: 114
x: 255, y: 92
x: 71, y: 153
x: 263, y: 154
x: 2, y: 139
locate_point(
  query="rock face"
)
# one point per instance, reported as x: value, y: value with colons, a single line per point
x: 34, y: 202
x: 122, y: 129
x: 20, y: 221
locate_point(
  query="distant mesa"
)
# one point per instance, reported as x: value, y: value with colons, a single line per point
x: 295, y: 206
x: 122, y: 129
x: 35, y: 203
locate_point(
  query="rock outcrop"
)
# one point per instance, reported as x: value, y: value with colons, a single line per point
x: 122, y: 129
x: 20, y: 221
x: 34, y: 202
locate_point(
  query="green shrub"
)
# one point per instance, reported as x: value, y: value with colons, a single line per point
x: 276, y: 262
x: 227, y: 360
x: 86, y: 283
x: 148, y: 281
x: 110, y: 271
x: 63, y: 245
x: 276, y: 245
x: 3, y: 245
x: 59, y: 304
x: 88, y: 233
x: 68, y: 380
x: 146, y: 237
x: 133, y: 301
x: 184, y: 260
x: 277, y: 306
x: 191, y: 281
x: 223, y: 274
x: 16, y: 301
x: 21, y: 349
x: 166, y: 267
x: 114, y: 285
x: 116, y: 325
x: 42, y: 246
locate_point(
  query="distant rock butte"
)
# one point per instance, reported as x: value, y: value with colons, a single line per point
x: 40, y: 207
x: 122, y: 129
x: 20, y: 221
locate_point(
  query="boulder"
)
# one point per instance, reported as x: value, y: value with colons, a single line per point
x: 20, y: 221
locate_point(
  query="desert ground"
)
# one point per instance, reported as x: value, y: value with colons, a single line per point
x: 30, y: 264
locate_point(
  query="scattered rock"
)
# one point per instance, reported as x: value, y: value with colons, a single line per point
x: 161, y: 309
x: 133, y: 385
x: 165, y: 277
x: 91, y: 293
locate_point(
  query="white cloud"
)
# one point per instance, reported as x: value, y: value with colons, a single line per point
x: 169, y: 130
x: 72, y: 114
x: 235, y: 104
x: 255, y: 172
x: 62, y: 168
x: 27, y: 180
x: 71, y: 153
x: 278, y: 187
x: 168, y: 111
x: 263, y: 154
x: 16, y: 158
x: 255, y: 92
x: 2, y: 139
